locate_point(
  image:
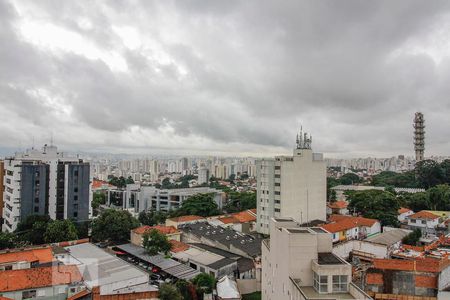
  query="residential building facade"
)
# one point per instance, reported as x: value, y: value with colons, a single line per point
x: 45, y: 183
x: 291, y: 186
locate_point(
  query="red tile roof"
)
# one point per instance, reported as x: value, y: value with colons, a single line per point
x: 245, y: 216
x: 228, y: 220
x: 15, y: 280
x: 424, y: 215
x: 79, y: 295
x: 347, y: 222
x: 162, y: 229
x: 188, y: 218
x: 338, y: 204
x: 403, y: 210
x: 178, y: 246
x: 43, y: 255
x: 96, y: 184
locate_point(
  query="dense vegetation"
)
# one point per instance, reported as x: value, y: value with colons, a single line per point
x: 412, y: 238
x: 37, y: 230
x: 121, y: 181
x: 156, y: 242
x: 113, y: 225
x: 383, y: 205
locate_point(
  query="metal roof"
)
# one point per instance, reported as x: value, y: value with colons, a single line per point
x: 389, y: 238
x: 167, y: 265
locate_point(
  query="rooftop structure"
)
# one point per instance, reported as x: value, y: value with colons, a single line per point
x: 101, y: 269
x: 419, y: 136
x: 34, y: 278
x: 297, y: 263
x: 167, y: 265
x: 224, y: 238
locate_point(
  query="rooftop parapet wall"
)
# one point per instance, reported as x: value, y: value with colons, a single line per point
x: 420, y: 265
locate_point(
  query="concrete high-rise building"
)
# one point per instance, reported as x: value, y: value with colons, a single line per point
x: 419, y: 136
x: 2, y: 173
x: 45, y: 183
x: 203, y: 175
x: 291, y: 186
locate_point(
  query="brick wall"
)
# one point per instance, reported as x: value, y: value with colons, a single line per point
x: 374, y: 278
x: 426, y: 281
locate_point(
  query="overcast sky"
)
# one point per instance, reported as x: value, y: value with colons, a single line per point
x: 230, y: 77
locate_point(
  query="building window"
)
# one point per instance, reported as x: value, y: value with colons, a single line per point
x: 277, y: 201
x: 75, y: 190
x: 36, y: 209
x: 424, y: 222
x: 339, y: 283
x: 36, y: 200
x: 75, y: 214
x: 29, y: 294
x: 320, y: 283
x: 75, y: 198
x: 277, y: 167
x: 277, y: 184
x: 277, y: 176
x: 413, y: 220
x: 277, y: 193
x: 75, y: 173
x: 277, y: 210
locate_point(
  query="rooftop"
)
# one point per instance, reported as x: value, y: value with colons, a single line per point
x: 423, y: 214
x: 167, y: 265
x: 341, y: 223
x: 41, y: 255
x: 251, y: 245
x: 188, y: 218
x: 338, y: 204
x: 328, y: 258
x: 389, y: 238
x: 15, y: 280
x: 162, y: 229
x: 309, y: 292
x: 101, y: 268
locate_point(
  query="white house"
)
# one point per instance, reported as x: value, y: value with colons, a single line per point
x: 403, y: 213
x: 424, y: 220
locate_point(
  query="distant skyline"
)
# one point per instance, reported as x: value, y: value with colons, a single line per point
x: 224, y: 77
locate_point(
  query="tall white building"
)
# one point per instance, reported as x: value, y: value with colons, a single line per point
x: 45, y: 183
x: 203, y: 175
x: 291, y: 186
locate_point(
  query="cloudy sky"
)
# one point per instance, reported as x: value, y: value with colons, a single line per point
x: 230, y: 77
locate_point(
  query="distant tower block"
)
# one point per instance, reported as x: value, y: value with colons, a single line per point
x: 419, y: 136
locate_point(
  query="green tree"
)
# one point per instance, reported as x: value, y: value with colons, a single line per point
x: 32, y: 229
x: 98, y: 198
x: 445, y: 166
x: 239, y: 201
x: 156, y: 242
x: 331, y: 182
x: 199, y: 204
x: 113, y: 225
x: 7, y: 240
x: 186, y: 289
x: 375, y: 204
x: 350, y: 178
x: 429, y: 173
x: 119, y: 182
x: 129, y: 180
x: 166, y: 184
x: 244, y: 176
x: 205, y: 282
x: 59, y: 231
x: 232, y: 177
x: 412, y: 238
x: 389, y: 178
x: 152, y: 217
x: 169, y: 291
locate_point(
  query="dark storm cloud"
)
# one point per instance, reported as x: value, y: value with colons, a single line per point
x: 219, y: 73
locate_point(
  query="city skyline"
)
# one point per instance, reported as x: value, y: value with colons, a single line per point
x: 196, y: 78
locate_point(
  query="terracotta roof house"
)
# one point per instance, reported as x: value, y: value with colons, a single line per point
x: 348, y: 227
